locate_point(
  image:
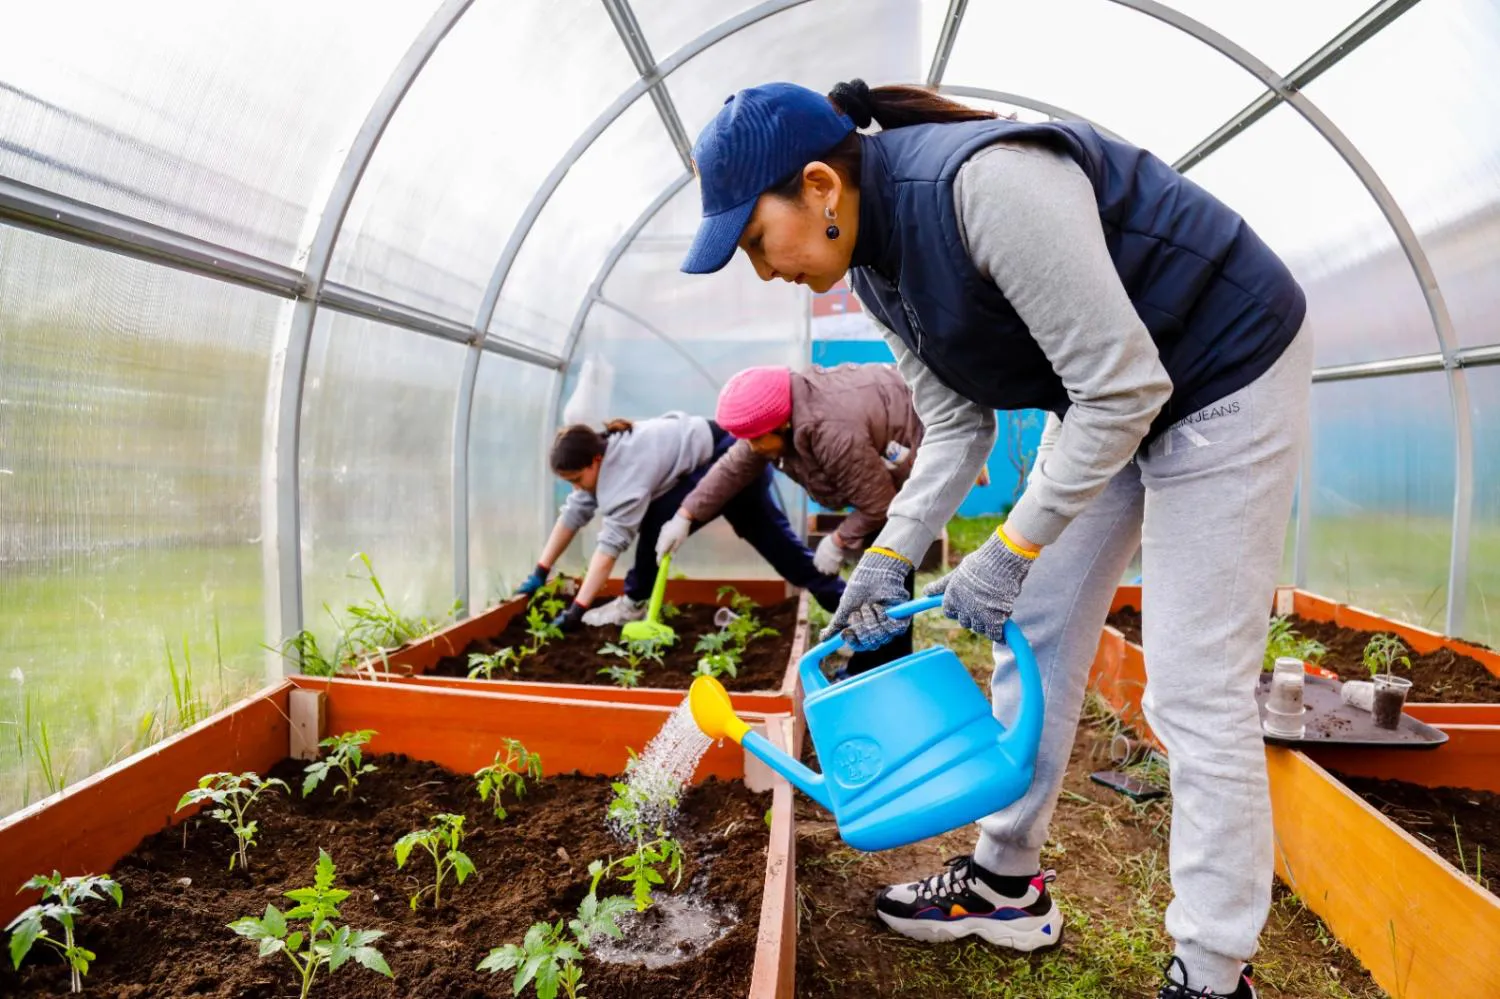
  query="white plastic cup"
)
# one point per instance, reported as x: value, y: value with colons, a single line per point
x: 724, y: 617
x: 1284, y: 724
x: 1358, y: 694
x: 1287, y: 681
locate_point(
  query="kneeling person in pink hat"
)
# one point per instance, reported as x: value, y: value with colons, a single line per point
x: 846, y: 434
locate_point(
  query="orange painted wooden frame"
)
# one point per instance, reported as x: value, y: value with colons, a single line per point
x: 1421, y: 927
x: 86, y: 828
x: 90, y: 826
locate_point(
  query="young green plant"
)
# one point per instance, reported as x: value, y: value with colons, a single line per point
x: 485, y: 665
x: 653, y: 848
x: 441, y: 840
x: 234, y: 794
x: 634, y: 653
x: 549, y: 955
x: 321, y: 944
x: 720, y: 654
x: 1384, y: 651
x: 1282, y: 640
x: 61, y: 898
x: 510, y: 772
x: 345, y: 756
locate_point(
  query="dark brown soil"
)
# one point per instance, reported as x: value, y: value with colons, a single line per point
x: 1111, y: 860
x: 171, y: 940
x: 575, y: 658
x: 1442, y: 675
x: 1446, y: 819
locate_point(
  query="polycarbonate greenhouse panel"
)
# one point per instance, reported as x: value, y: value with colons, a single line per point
x: 225, y: 121
x: 1482, y: 620
x: 1432, y: 130
x: 131, y: 404
x: 509, y: 480
x: 816, y: 44
x: 670, y: 24
x: 713, y: 318
x: 377, y: 467
x: 1298, y: 194
x: 1280, y: 33
x: 503, y: 97
x: 1382, y: 495
x: 630, y: 164
x: 1144, y: 80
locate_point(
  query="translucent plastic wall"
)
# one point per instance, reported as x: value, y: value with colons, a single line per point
x: 277, y: 293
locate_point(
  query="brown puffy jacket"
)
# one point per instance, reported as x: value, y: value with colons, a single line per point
x: 843, y: 419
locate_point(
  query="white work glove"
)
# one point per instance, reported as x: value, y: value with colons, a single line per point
x: 673, y: 533
x: 829, y: 558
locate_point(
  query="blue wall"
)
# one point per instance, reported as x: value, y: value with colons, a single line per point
x: 1001, y: 494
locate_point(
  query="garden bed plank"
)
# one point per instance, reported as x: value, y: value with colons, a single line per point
x: 1419, y: 926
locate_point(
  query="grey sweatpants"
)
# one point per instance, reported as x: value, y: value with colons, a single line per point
x: 1208, y: 505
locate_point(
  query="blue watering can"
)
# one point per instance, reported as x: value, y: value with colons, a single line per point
x: 910, y: 749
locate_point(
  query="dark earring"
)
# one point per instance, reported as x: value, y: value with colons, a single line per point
x: 832, y: 232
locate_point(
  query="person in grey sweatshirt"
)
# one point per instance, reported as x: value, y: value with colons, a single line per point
x: 636, y: 475
x: 1045, y: 265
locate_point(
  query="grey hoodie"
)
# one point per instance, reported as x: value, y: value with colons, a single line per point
x: 639, y: 465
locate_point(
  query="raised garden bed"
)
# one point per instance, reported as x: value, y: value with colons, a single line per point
x: 531, y: 866
x: 1419, y: 925
x: 575, y: 658
x: 568, y: 667
x: 1439, y: 674
x: 1459, y: 824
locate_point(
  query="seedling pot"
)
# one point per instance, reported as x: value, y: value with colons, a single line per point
x: 1388, y: 696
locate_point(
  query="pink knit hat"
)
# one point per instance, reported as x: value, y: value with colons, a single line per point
x: 755, y: 401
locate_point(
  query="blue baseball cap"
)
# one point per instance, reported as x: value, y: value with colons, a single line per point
x: 760, y: 137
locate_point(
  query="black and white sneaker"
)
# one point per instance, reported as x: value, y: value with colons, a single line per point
x: 966, y: 900
x: 1177, y: 987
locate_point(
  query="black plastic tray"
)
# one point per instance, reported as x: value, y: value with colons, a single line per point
x: 1331, y: 722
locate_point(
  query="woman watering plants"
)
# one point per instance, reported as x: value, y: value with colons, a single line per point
x: 637, y: 475
x: 1022, y: 265
x: 845, y: 434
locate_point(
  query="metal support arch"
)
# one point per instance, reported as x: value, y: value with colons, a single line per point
x: 280, y: 505
x: 596, y: 128
x: 664, y: 337
x: 952, y: 20
x: 1022, y: 101
x: 623, y: 16
x: 1437, y: 306
x: 1340, y: 46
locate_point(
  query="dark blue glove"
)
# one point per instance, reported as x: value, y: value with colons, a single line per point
x: 533, y: 582
x: 571, y: 619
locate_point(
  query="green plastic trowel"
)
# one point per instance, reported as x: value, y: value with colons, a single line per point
x: 651, y: 629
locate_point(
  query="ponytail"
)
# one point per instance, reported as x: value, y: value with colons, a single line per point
x: 898, y: 106
x: 895, y: 106
x: 575, y: 447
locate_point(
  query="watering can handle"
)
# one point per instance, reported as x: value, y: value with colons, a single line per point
x: 812, y: 676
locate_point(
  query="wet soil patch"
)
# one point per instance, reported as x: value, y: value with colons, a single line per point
x: 1441, y: 675
x: 575, y: 658
x: 171, y: 939
x: 1461, y: 825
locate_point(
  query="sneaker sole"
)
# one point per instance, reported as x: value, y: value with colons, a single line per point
x: 1024, y: 935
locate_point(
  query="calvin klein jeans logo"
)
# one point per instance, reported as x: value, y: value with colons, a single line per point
x: 1182, y: 433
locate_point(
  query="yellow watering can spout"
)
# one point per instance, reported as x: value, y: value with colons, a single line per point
x: 709, y: 702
